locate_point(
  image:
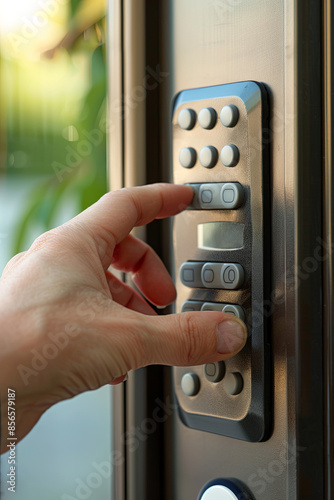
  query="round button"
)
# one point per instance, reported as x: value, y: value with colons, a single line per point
x: 187, y: 157
x: 219, y: 493
x: 214, y: 372
x: 207, y: 118
x: 229, y: 155
x: 233, y: 383
x: 187, y: 119
x: 229, y: 115
x: 190, y: 384
x: 224, y: 489
x: 208, y: 156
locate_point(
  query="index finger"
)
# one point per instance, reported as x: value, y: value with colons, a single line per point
x: 112, y: 218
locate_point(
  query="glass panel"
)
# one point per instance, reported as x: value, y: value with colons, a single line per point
x: 52, y: 166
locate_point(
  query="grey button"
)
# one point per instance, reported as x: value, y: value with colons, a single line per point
x: 232, y: 195
x: 208, y: 156
x: 207, y: 118
x: 187, y: 119
x: 218, y: 195
x: 232, y: 276
x: 187, y: 157
x: 230, y: 155
x: 190, y: 274
x: 226, y: 308
x: 229, y: 115
x: 206, y: 196
x: 214, y: 372
x: 212, y: 306
x: 209, y: 196
x: 191, y: 305
x: 222, y: 276
x: 235, y: 310
x: 233, y: 383
x: 211, y: 275
x: 190, y: 384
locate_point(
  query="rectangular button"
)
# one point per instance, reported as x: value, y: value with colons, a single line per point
x: 217, y: 196
x: 190, y: 274
x: 191, y: 305
x: 224, y: 276
x: 226, y: 308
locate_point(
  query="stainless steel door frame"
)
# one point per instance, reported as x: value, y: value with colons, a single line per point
x: 133, y: 104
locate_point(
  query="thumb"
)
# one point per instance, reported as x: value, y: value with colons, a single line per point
x: 191, y: 338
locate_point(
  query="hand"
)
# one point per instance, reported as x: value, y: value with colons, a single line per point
x: 68, y: 325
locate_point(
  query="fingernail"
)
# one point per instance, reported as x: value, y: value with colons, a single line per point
x: 231, y: 336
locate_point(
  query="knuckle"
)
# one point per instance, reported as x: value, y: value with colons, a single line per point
x: 44, y: 240
x: 14, y: 261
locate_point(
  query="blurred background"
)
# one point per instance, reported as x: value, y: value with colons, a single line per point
x: 52, y: 166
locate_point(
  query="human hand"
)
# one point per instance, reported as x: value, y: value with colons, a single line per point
x: 68, y: 325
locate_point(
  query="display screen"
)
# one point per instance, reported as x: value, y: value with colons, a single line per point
x: 220, y: 235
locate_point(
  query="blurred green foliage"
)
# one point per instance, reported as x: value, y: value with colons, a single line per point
x: 55, y: 119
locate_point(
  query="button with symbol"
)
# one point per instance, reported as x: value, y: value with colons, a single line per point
x: 232, y: 195
x: 222, y: 276
x: 206, y: 196
x: 232, y: 276
x: 190, y: 274
x: 211, y: 275
x: 214, y: 372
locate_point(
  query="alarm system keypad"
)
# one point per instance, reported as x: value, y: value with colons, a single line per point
x: 219, y: 246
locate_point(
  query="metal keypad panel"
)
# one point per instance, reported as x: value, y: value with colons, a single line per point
x: 221, y: 249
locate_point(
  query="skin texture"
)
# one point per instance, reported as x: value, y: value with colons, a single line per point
x: 68, y: 325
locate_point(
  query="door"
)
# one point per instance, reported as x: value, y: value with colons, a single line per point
x: 208, y: 53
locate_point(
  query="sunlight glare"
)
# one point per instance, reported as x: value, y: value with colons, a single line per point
x: 13, y: 13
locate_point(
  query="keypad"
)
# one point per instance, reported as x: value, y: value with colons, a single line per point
x: 220, y: 250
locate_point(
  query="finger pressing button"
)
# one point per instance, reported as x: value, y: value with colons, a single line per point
x: 235, y: 310
x: 191, y: 305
